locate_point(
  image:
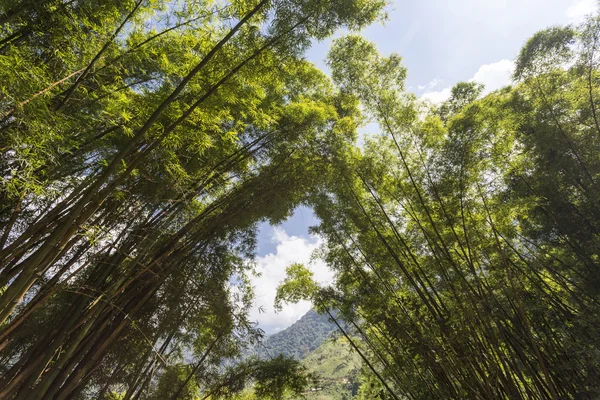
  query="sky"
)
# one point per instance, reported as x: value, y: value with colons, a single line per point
x: 442, y: 42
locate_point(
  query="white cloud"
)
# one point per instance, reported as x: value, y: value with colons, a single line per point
x: 290, y: 249
x: 437, y: 97
x: 579, y: 9
x: 494, y: 76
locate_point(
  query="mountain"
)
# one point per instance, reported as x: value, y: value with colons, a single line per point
x: 298, y: 340
x: 330, y: 358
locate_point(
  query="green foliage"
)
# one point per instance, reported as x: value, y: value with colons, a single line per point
x: 141, y: 144
x: 171, y: 380
x: 545, y: 51
x: 278, y: 377
x: 465, y: 238
x: 298, y: 285
x: 462, y: 94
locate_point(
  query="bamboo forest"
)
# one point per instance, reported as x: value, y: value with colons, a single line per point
x: 144, y: 143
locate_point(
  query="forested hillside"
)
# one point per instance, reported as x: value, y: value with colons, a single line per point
x: 336, y: 367
x: 143, y: 142
x: 298, y: 340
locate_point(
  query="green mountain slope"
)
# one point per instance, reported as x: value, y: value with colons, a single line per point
x: 297, y: 341
x: 336, y: 366
x: 329, y: 358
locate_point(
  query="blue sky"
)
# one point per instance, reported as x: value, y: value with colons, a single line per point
x: 442, y: 43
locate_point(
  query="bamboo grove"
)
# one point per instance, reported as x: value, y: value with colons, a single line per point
x: 465, y: 237
x: 141, y: 143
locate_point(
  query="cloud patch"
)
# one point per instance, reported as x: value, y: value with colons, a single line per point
x: 437, y: 97
x: 493, y: 76
x: 289, y: 249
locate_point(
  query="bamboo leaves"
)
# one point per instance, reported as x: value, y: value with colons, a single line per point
x: 141, y: 143
x: 453, y: 233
